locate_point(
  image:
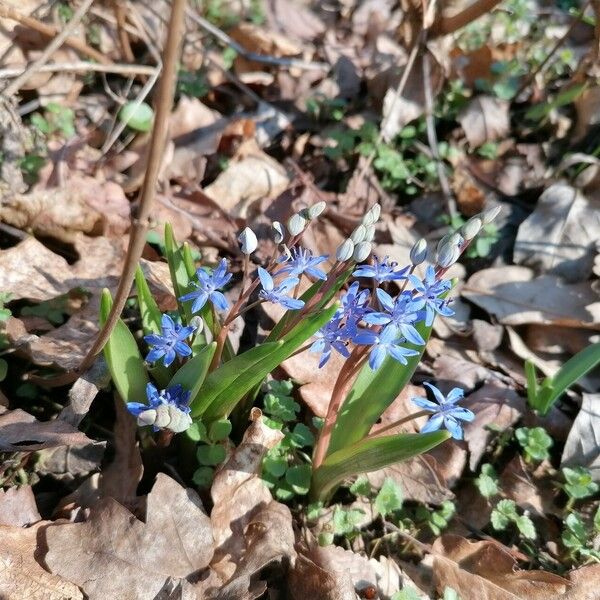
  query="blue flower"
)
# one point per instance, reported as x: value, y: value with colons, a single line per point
x: 208, y: 287
x: 165, y: 409
x: 381, y: 271
x: 384, y: 343
x: 330, y: 337
x: 428, y: 292
x: 170, y: 344
x: 278, y: 295
x: 401, y: 314
x: 354, y: 303
x: 302, y: 261
x: 445, y: 412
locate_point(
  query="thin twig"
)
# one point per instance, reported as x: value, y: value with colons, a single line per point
x: 262, y: 58
x: 432, y: 137
x: 121, y: 16
x: 446, y: 25
x: 7, y: 12
x: 81, y: 66
x: 158, y: 142
x: 50, y: 49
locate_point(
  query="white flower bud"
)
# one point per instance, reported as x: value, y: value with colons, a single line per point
x: 286, y: 252
x: 278, y: 233
x: 370, y: 234
x: 163, y: 418
x: 362, y: 251
x: 248, y: 241
x: 487, y: 216
x: 344, y: 250
x: 316, y: 209
x: 454, y: 239
x: 448, y: 255
x: 418, y: 252
x: 180, y: 421
x: 471, y: 228
x: 147, y: 417
x: 372, y: 215
x: 358, y: 235
x: 198, y: 323
x: 296, y: 224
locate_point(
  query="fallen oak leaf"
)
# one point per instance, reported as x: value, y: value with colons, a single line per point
x: 18, y: 507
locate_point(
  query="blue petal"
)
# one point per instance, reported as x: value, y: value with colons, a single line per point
x: 135, y: 408
x: 377, y: 318
x: 219, y: 301
x: 365, y: 338
x: 376, y: 357
x: 167, y: 324
x: 182, y: 349
x: 425, y: 404
x: 453, y: 426
x: 316, y: 273
x: 464, y: 414
x: 291, y: 303
x: 324, y: 358
x: 155, y: 354
x: 386, y: 300
x: 436, y: 392
x: 433, y: 424
x: 398, y: 352
x: 170, y: 356
x: 318, y: 346
x: 265, y: 279
x: 154, y: 340
x: 454, y: 395
x: 411, y: 334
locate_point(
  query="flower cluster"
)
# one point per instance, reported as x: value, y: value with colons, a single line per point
x: 171, y: 342
x: 166, y: 409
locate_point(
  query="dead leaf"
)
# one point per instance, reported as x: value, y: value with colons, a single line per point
x: 516, y: 297
x: 238, y: 494
x: 483, y: 570
x: 22, y: 432
x: 485, y: 119
x: 560, y: 236
x: 114, y: 555
x: 529, y: 494
x: 585, y: 583
x: 21, y: 576
x: 582, y: 447
x: 18, y: 507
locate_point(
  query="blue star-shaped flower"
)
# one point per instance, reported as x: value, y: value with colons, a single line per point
x: 208, y: 287
x: 384, y: 343
x: 302, y: 261
x: 401, y: 314
x: 381, y: 271
x: 428, y: 292
x: 446, y: 412
x: 170, y: 344
x: 279, y: 294
x: 330, y: 337
x: 354, y: 303
x: 174, y: 398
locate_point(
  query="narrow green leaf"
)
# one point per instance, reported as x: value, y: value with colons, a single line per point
x: 532, y: 386
x: 193, y: 373
x: 179, y: 274
x: 370, y: 454
x: 123, y: 357
x: 575, y: 368
x: 151, y: 315
x: 228, y: 384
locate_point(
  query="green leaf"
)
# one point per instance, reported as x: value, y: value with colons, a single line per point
x: 211, y: 455
x: 487, y: 482
x: 281, y: 407
x: 275, y: 464
x: 389, y: 497
x: 123, y: 357
x: 532, y: 386
x: 203, y: 476
x: 370, y: 454
x: 406, y: 593
x: 526, y: 527
x: 197, y: 432
x: 284, y: 491
x: 361, y: 487
x: 299, y: 478
x: 219, y: 430
x: 179, y: 274
x: 192, y: 374
x: 503, y: 514
x: 227, y: 385
x: 347, y: 521
x: 151, y: 315
x: 301, y: 436
x: 535, y: 441
x: 138, y: 117
x: 579, y: 483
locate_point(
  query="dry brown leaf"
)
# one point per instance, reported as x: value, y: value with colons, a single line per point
x: 529, y: 494
x: 560, y: 236
x: 586, y: 583
x: 515, y: 297
x: 238, y: 494
x: 21, y: 577
x: 485, y: 119
x: 484, y: 571
x: 22, y: 432
x: 114, y: 555
x: 18, y: 507
x: 293, y: 20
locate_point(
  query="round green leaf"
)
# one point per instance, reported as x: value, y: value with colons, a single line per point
x: 219, y: 430
x: 137, y: 117
x: 211, y: 455
x: 275, y: 465
x: 203, y: 477
x: 299, y: 478
x: 197, y: 432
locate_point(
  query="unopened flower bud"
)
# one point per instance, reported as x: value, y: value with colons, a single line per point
x: 296, y: 224
x: 344, y: 250
x: 362, y: 251
x: 316, y: 209
x: 453, y: 239
x: 471, y: 228
x: 487, y: 216
x: 448, y: 255
x: 370, y: 234
x: 147, y: 417
x: 286, y: 252
x: 277, y: 233
x: 372, y: 215
x: 180, y: 421
x: 358, y: 235
x: 197, y: 323
x: 163, y: 418
x: 248, y: 241
x: 418, y: 253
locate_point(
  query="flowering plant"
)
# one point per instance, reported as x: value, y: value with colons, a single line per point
x: 192, y: 376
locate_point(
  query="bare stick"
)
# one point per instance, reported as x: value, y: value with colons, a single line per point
x: 50, y: 49
x: 451, y: 24
x: 81, y: 66
x: 137, y: 238
x: 8, y: 12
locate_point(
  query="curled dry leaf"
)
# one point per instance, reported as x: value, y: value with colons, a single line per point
x: 485, y: 119
x: 114, y: 555
x: 17, y: 507
x: 239, y: 494
x: 560, y: 236
x: 483, y: 570
x: 515, y: 297
x: 21, y: 576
